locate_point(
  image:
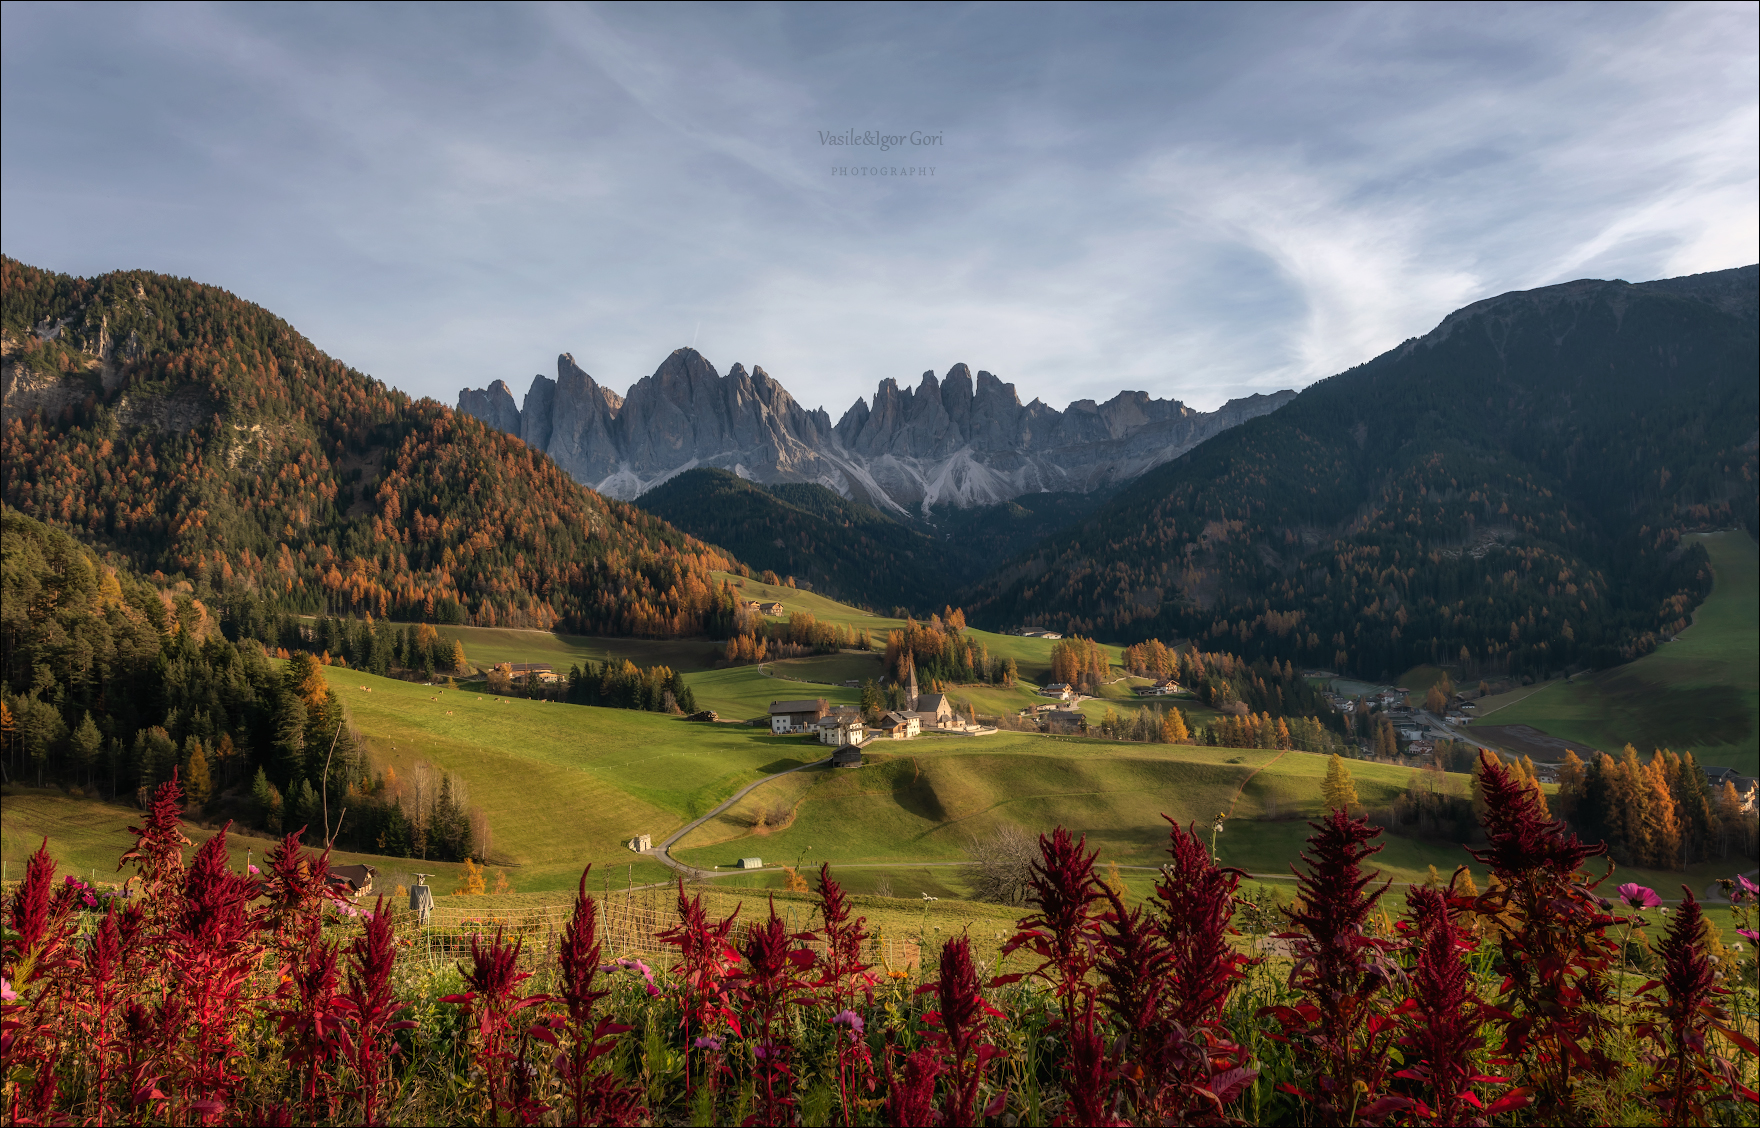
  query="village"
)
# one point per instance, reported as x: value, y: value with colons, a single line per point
x: 847, y: 731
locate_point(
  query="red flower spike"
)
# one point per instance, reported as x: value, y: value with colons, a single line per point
x: 1343, y: 971
x: 1689, y: 1076
x: 1550, y: 932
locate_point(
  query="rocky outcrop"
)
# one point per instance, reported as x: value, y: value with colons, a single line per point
x: 494, y: 406
x: 959, y: 440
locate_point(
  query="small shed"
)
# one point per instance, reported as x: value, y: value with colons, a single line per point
x: 353, y: 880
x: 751, y: 863
x: 848, y: 756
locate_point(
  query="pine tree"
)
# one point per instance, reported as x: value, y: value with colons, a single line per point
x: 1173, y: 727
x: 459, y: 664
x: 84, y: 745
x: 1338, y: 791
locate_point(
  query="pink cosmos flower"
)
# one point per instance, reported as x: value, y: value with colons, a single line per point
x: 1745, y: 888
x: 1750, y: 934
x: 1638, y: 897
x: 851, y: 1021
x: 7, y: 994
x: 254, y: 869
x: 639, y: 968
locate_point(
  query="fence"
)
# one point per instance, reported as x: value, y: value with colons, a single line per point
x: 629, y: 925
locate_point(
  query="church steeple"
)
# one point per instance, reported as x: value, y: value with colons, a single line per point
x: 910, y: 687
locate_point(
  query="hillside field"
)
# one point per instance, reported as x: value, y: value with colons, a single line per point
x: 1699, y: 693
x: 563, y: 785
x: 86, y: 836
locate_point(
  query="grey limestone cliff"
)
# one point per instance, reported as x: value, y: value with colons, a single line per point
x: 959, y: 440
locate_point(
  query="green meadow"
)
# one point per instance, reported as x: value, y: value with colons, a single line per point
x: 922, y: 802
x: 486, y: 646
x: 86, y: 837
x: 562, y: 785
x: 1699, y: 693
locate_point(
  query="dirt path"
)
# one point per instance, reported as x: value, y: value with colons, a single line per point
x: 663, y: 852
x: 1242, y: 789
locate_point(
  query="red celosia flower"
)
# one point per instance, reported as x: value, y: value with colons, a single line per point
x: 158, y: 848
x: 962, y: 1018
x: 1063, y: 931
x: 494, y: 1004
x: 705, y: 963
x: 1441, y: 1021
x: 1343, y: 971
x: 1554, y: 954
x: 211, y: 951
x: 1689, y: 1074
x: 910, y: 1098
x: 29, y: 913
x: 372, y: 1008
x: 311, y: 1025
x: 1196, y: 898
x: 596, y: 1098
x: 773, y: 957
x: 842, y: 971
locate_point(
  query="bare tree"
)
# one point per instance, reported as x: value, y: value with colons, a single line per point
x: 1004, y: 864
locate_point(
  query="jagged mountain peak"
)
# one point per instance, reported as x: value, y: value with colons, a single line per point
x: 959, y: 438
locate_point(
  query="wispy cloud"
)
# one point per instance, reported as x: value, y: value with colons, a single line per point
x: 1196, y: 201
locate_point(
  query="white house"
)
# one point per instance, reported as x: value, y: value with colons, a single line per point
x: 841, y: 730
x: 898, y: 726
x: 796, y: 716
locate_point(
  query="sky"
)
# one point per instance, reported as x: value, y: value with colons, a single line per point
x: 1196, y: 201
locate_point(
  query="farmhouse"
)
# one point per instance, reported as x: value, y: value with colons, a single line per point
x: 898, y: 726
x: 537, y: 672
x: 842, y: 729
x: 1159, y: 689
x: 1063, y: 691
x: 770, y: 608
x: 353, y: 880
x: 796, y: 716
x: 1035, y: 632
x: 1065, y: 721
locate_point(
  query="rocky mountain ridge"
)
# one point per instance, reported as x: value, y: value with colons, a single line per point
x: 953, y: 441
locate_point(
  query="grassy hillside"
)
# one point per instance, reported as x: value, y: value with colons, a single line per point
x: 563, y: 785
x: 922, y: 802
x: 1700, y: 692
x: 485, y: 646
x: 86, y: 837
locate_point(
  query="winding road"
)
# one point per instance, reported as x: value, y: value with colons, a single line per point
x: 663, y: 852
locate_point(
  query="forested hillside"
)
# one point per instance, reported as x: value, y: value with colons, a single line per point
x: 109, y: 684
x: 197, y: 435
x: 851, y: 551
x: 1507, y: 493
